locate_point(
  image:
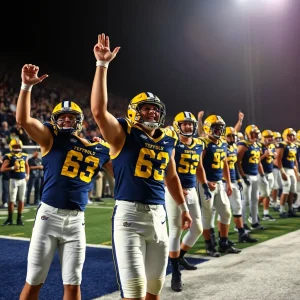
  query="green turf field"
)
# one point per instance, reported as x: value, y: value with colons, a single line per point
x: 98, y: 224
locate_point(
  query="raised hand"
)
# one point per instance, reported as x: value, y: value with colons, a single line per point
x: 29, y: 75
x: 102, y: 49
x: 241, y: 116
x: 200, y: 115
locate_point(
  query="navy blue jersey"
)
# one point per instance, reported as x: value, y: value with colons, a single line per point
x: 289, y: 154
x: 251, y: 157
x: 69, y: 167
x: 187, y: 158
x: 214, y: 158
x: 139, y: 168
x: 17, y: 159
x: 267, y: 162
x: 298, y: 155
x: 231, y: 160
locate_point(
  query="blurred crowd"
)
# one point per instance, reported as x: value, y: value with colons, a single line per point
x: 44, y: 99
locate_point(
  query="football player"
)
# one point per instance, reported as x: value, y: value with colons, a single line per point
x: 288, y: 167
x: 143, y: 158
x: 16, y: 163
x: 188, y: 158
x: 249, y: 167
x: 237, y: 187
x: 215, y: 165
x: 70, y: 163
x: 276, y: 173
x: 268, y: 153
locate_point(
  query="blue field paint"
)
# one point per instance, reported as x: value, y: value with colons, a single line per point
x: 99, y: 277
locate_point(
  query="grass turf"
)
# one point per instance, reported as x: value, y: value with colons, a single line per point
x: 98, y: 226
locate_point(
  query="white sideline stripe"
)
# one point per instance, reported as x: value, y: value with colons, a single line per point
x: 28, y: 239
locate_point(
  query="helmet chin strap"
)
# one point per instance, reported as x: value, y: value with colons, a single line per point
x: 150, y: 125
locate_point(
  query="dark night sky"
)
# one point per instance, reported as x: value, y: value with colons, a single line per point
x: 213, y: 55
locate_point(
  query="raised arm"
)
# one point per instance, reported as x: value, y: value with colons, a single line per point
x: 109, y: 126
x: 35, y: 129
x: 239, y: 123
x: 201, y: 132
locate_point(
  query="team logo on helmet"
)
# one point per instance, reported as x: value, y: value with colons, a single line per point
x: 182, y: 117
x: 67, y: 107
x: 134, y: 110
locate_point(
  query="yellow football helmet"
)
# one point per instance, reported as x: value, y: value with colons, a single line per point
x: 212, y: 124
x: 267, y: 136
x: 251, y: 129
x: 133, y: 112
x: 182, y: 117
x: 277, y: 136
x: 230, y: 130
x: 15, y: 145
x: 240, y: 136
x: 298, y: 135
x: 67, y: 107
x: 287, y: 132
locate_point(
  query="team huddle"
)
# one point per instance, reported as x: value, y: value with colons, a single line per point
x: 178, y: 177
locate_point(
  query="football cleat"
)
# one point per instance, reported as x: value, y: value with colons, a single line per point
x: 257, y: 226
x: 185, y: 264
x: 268, y: 218
x: 283, y: 215
x: 176, y: 283
x: 212, y: 251
x: 7, y: 222
x: 225, y: 248
x: 246, y: 238
x: 247, y: 228
x: 20, y: 222
x: 291, y: 214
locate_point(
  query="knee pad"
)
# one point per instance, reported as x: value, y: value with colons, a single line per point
x: 134, y: 288
x: 154, y: 287
x: 225, y: 217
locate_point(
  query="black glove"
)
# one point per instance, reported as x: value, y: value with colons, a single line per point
x: 240, y: 186
x: 207, y: 192
x: 246, y: 180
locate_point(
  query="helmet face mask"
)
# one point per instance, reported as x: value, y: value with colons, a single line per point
x: 231, y: 135
x: 214, y: 126
x: 289, y: 135
x: 267, y: 137
x: 15, y: 145
x: 252, y: 133
x: 64, y: 110
x: 185, y: 124
x: 137, y: 111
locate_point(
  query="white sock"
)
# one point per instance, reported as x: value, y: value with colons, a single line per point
x: 266, y: 211
x: 281, y: 208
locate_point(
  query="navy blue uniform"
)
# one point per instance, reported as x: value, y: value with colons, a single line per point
x: 289, y: 154
x: 140, y: 166
x: 267, y: 162
x: 187, y: 159
x: 232, y: 159
x: 69, y: 167
x: 17, y: 159
x: 215, y: 156
x: 251, y: 157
